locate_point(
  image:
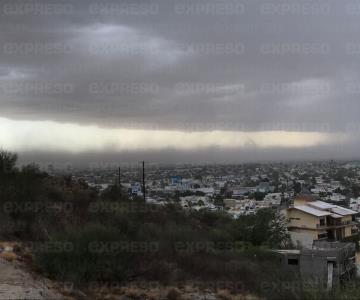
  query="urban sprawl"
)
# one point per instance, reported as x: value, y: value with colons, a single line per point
x: 319, y: 199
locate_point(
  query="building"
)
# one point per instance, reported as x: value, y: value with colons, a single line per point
x: 273, y: 198
x: 239, y: 192
x: 310, y: 220
x: 325, y: 263
x: 175, y: 180
x: 194, y: 202
x: 355, y: 204
x: 207, y: 191
x: 263, y: 187
x: 237, y: 208
x: 136, y: 189
x: 336, y: 197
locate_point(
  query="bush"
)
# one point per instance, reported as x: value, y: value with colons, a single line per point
x: 173, y: 294
x: 353, y: 239
x: 80, y: 257
x: 77, y: 245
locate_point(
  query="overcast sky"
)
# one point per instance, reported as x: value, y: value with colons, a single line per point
x: 174, y: 80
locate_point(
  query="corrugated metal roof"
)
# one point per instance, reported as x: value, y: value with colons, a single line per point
x: 312, y: 211
x: 321, y: 205
x: 336, y: 216
x: 343, y: 211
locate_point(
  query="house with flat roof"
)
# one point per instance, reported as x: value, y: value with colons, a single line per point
x: 311, y: 220
x: 325, y: 263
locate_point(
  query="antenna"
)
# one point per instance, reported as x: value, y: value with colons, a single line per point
x: 119, y: 180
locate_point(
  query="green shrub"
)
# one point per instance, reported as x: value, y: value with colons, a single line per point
x: 82, y: 258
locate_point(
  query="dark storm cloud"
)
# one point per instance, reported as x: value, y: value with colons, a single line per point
x: 189, y: 65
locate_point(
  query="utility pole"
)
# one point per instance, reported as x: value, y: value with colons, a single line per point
x: 119, y: 180
x: 143, y: 180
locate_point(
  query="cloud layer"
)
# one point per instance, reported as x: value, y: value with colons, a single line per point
x: 52, y: 136
x: 185, y: 74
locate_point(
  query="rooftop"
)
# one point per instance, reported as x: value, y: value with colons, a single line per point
x: 312, y: 211
x: 343, y: 211
x: 320, y: 208
x: 321, y: 205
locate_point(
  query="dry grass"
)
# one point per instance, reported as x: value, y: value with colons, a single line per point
x: 9, y: 256
x: 132, y: 293
x: 173, y: 294
x: 166, y: 293
x: 153, y: 295
x: 4, y: 244
x: 226, y: 295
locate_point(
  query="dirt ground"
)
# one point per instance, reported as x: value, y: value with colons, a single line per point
x: 15, y: 283
x: 18, y: 281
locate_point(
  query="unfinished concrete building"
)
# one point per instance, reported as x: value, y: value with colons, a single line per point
x: 326, y: 263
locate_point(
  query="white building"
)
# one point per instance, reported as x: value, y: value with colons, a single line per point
x: 273, y: 198
x: 355, y: 204
x: 207, y: 191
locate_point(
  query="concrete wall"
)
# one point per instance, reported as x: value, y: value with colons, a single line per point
x: 306, y: 220
x: 300, y: 201
x: 313, y: 267
x: 346, y: 218
x: 348, y: 231
x: 302, y: 238
x: 315, y: 263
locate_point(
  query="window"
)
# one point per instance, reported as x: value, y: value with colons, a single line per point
x: 322, y: 236
x: 293, y: 261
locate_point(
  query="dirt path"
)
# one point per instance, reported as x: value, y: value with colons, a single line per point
x: 16, y: 283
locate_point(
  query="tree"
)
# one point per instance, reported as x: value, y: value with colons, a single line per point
x: 223, y: 190
x: 7, y: 161
x: 219, y: 201
x: 355, y: 190
x: 31, y: 169
x: 112, y: 193
x: 259, y: 196
x: 266, y: 227
x: 278, y: 234
x: 261, y: 226
x: 297, y: 187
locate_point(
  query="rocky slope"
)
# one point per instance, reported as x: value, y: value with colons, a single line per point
x: 16, y: 283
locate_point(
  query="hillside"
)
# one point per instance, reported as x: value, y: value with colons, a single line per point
x: 18, y: 283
